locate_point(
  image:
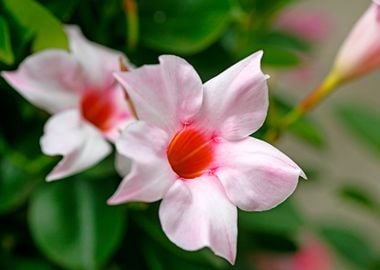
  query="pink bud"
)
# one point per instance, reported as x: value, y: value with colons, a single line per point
x: 360, y: 53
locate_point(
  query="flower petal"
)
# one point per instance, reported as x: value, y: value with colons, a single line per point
x: 166, y: 95
x: 151, y: 175
x: 98, y: 62
x: 236, y: 101
x: 50, y: 80
x: 255, y: 175
x: 196, y: 213
x: 81, y: 145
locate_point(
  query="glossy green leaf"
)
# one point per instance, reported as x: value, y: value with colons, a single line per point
x: 350, y: 245
x: 15, y: 185
x: 282, y: 219
x: 46, y: 29
x: 184, y: 27
x: 19, y: 263
x: 72, y: 224
x: 6, y: 53
x: 363, y: 123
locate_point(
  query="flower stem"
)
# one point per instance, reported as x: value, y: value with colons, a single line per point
x: 132, y: 20
x: 124, y: 68
x: 307, y: 104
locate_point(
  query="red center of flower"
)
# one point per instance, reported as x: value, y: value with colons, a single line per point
x: 190, y: 152
x: 97, y: 108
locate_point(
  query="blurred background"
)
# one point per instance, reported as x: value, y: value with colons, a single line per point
x: 332, y: 220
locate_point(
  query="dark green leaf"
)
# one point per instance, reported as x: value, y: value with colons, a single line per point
x: 282, y: 219
x: 363, y: 123
x: 6, y: 53
x: 45, y: 28
x: 184, y: 27
x: 15, y: 185
x: 358, y: 195
x: 351, y: 246
x: 280, y: 57
x: 72, y: 224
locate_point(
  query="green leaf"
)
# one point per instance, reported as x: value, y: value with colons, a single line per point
x: 152, y: 228
x: 350, y: 245
x: 280, y: 57
x: 359, y: 196
x: 15, y: 186
x: 363, y: 123
x: 6, y: 53
x: 305, y: 128
x: 72, y: 224
x: 283, y: 219
x: 45, y: 28
x: 183, y: 27
x: 19, y: 263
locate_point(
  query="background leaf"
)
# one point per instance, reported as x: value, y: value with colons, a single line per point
x: 363, y: 123
x: 46, y: 29
x: 350, y: 245
x: 72, y: 224
x: 6, y: 52
x: 183, y: 27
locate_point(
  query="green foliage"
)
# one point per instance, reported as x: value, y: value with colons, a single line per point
x: 358, y: 195
x: 6, y: 52
x: 183, y: 27
x: 46, y: 30
x: 363, y: 123
x: 305, y: 128
x: 350, y: 245
x: 72, y: 224
x: 284, y: 219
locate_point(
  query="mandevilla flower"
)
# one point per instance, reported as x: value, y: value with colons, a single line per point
x: 360, y: 53
x: 87, y: 104
x: 192, y: 150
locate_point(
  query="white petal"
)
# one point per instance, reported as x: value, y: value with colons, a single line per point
x: 196, y: 213
x: 256, y: 176
x: 51, y: 80
x: 80, y: 144
x: 236, y: 101
x: 151, y: 175
x: 166, y: 95
x: 98, y: 62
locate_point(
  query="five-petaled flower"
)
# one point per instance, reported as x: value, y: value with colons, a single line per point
x: 192, y: 149
x: 79, y: 89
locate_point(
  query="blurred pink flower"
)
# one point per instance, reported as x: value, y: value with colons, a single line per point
x: 313, y: 255
x: 192, y: 149
x: 87, y: 104
x: 360, y: 52
x: 311, y: 25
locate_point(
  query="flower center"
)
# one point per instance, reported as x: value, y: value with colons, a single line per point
x: 190, y: 152
x: 96, y: 107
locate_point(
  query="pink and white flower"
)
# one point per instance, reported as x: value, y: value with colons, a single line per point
x: 79, y: 89
x: 360, y: 52
x: 192, y: 150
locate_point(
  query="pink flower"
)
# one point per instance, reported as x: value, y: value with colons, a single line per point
x: 360, y: 53
x: 87, y: 104
x: 313, y: 255
x: 311, y: 25
x: 192, y: 150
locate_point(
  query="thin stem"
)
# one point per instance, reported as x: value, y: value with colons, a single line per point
x: 131, y: 10
x: 124, y: 68
x: 308, y: 103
